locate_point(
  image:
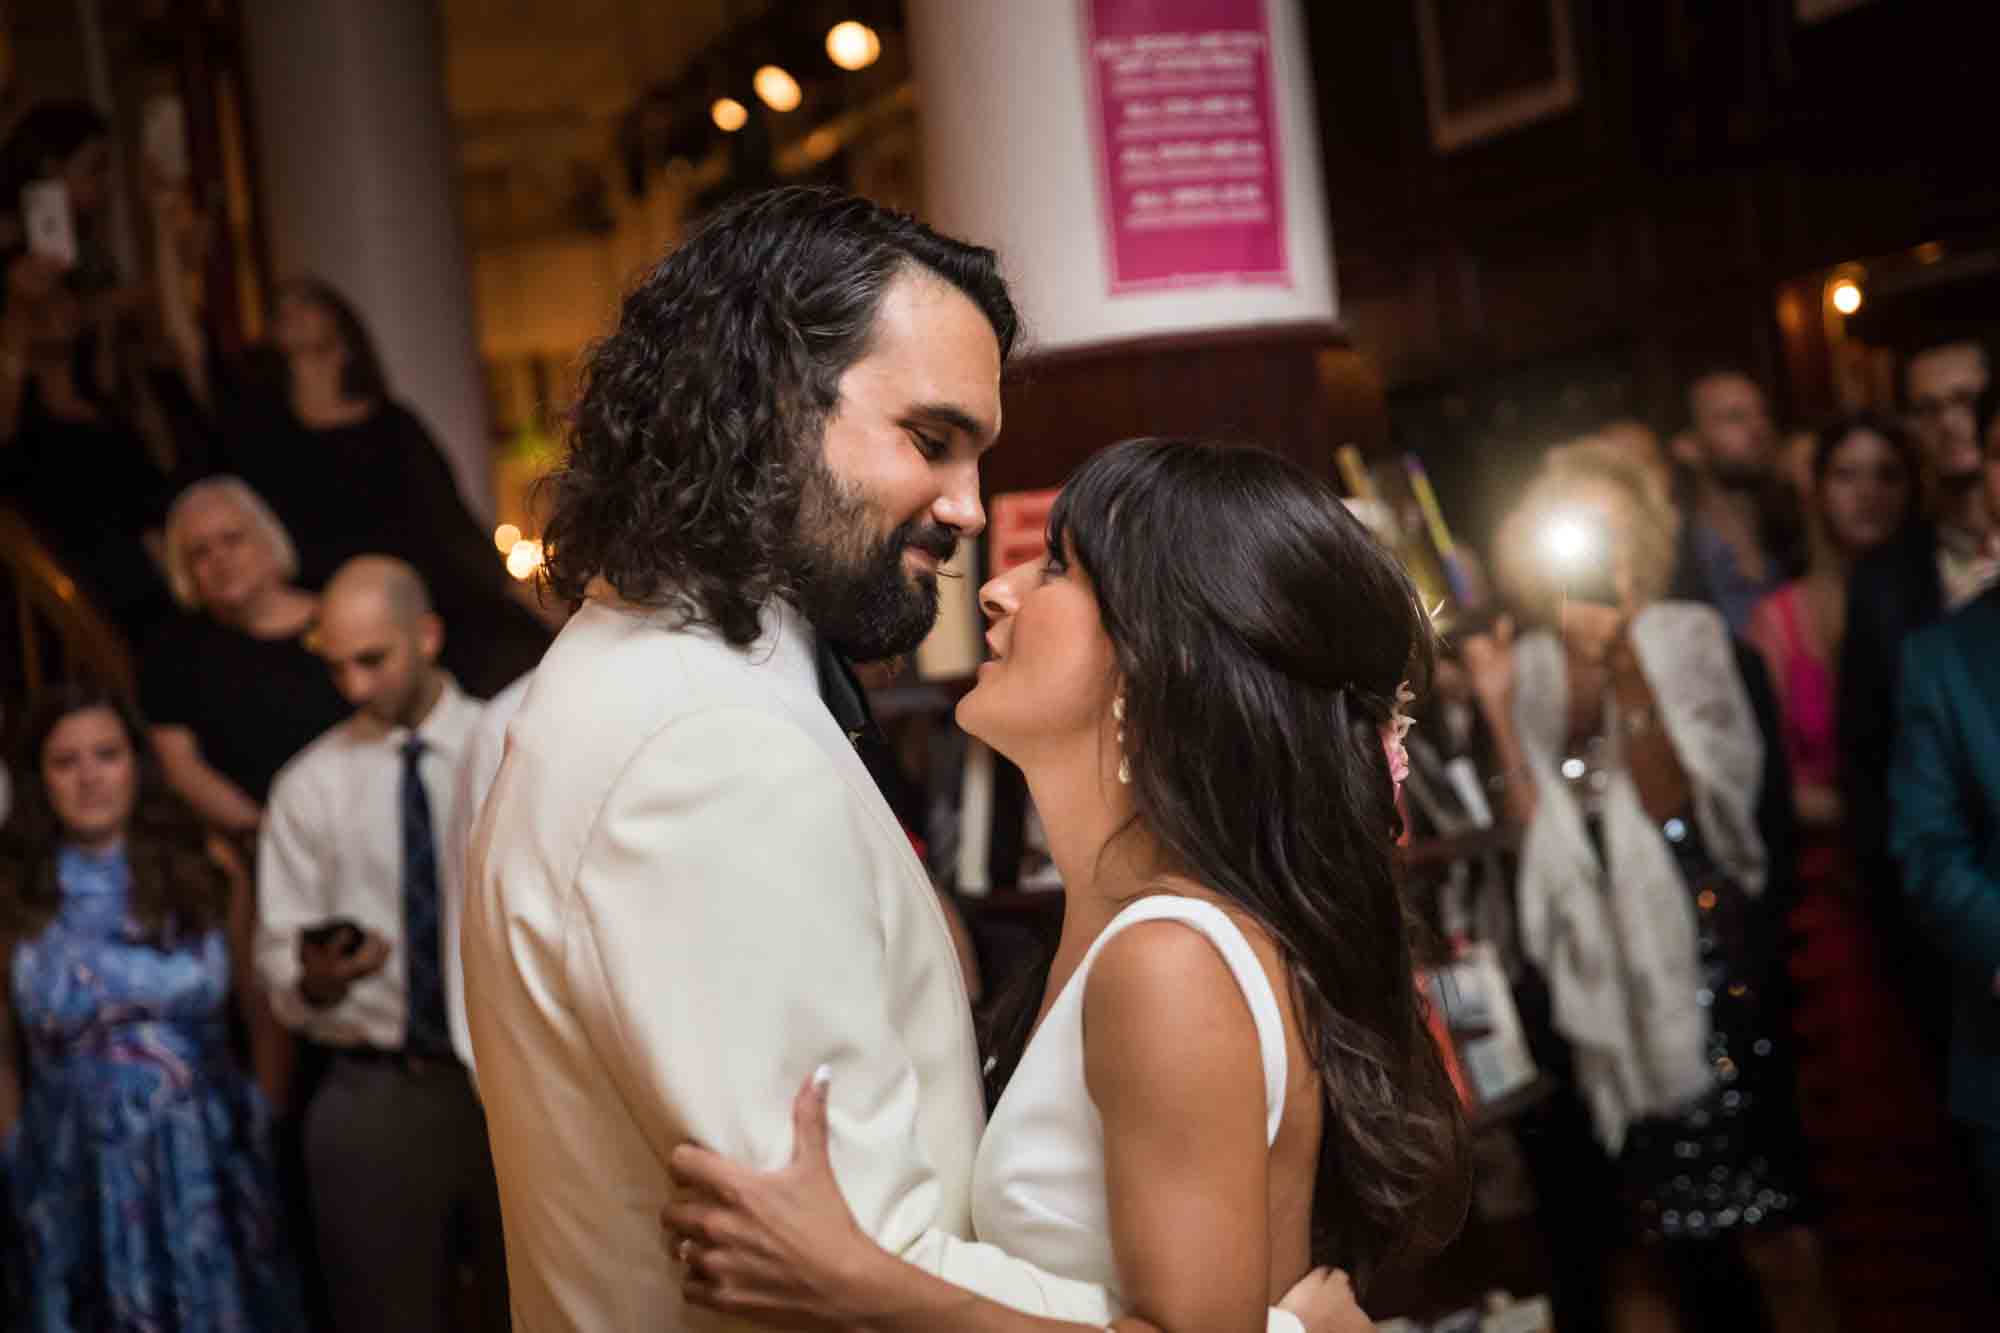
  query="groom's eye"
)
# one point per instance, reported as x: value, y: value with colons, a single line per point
x: 929, y: 446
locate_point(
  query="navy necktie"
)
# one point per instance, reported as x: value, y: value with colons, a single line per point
x: 428, y: 1033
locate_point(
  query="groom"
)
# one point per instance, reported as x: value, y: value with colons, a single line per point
x: 685, y: 893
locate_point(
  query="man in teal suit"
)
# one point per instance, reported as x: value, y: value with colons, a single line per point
x: 1945, y: 831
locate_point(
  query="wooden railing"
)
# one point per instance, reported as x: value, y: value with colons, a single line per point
x: 59, y: 633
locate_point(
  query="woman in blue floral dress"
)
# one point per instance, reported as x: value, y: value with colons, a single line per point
x: 135, y: 1154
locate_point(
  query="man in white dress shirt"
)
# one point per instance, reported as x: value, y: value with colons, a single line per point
x: 349, y: 945
x: 685, y: 892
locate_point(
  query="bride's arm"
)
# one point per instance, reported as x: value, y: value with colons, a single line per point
x: 1173, y: 1066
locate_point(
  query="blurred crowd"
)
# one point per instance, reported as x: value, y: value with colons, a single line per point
x: 1735, y: 695
x: 1733, y: 698
x: 283, y: 545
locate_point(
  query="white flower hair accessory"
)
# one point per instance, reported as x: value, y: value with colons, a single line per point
x: 1393, y: 731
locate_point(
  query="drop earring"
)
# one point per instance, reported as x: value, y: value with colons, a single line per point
x: 1124, y: 764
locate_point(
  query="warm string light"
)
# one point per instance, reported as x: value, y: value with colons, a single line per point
x: 852, y: 45
x: 777, y: 89
x: 1845, y: 295
x: 505, y: 536
x: 524, y: 559
x: 821, y: 144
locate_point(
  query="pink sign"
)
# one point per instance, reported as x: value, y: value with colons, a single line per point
x: 1017, y: 529
x: 1187, y: 139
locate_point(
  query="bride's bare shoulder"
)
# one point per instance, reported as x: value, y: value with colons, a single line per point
x: 1184, y: 953
x: 1169, y: 962
x: 1160, y: 1004
x: 1261, y: 940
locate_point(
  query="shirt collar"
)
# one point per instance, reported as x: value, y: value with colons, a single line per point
x: 1954, y: 540
x: 439, y: 731
x: 785, y: 640
x: 805, y: 662
x: 787, y: 645
x: 1967, y: 544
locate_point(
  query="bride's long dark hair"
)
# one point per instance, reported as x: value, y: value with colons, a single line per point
x: 1261, y: 633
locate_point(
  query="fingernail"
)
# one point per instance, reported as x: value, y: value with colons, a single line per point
x: 821, y: 1077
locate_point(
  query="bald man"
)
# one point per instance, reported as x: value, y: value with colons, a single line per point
x: 350, y: 948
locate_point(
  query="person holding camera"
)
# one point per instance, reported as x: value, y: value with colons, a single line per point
x: 139, y: 355
x: 1638, y: 742
x: 350, y: 947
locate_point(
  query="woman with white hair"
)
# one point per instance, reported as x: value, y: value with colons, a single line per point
x: 231, y: 689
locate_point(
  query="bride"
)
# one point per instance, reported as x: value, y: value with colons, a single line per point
x: 1223, y: 1072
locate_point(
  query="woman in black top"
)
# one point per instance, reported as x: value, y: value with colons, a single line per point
x: 351, y: 472
x: 84, y: 478
x: 231, y: 689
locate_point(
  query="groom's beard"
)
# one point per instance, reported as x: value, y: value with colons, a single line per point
x: 853, y: 587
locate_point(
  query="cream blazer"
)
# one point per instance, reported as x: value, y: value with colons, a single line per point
x: 684, y: 894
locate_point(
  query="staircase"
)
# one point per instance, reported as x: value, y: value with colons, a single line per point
x: 55, y: 633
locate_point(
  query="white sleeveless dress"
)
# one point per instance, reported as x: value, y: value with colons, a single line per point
x: 1038, y: 1187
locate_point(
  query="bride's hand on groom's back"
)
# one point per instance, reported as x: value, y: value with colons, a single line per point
x: 779, y: 1247
x: 1324, y: 1302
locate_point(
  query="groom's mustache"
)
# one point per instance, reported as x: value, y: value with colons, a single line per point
x: 934, y: 539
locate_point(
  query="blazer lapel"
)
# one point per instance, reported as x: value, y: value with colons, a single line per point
x: 1976, y: 680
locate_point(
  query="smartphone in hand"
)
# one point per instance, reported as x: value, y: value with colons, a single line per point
x: 51, y: 226
x: 342, y: 933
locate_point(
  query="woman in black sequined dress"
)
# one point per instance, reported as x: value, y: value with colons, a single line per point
x: 1720, y: 1170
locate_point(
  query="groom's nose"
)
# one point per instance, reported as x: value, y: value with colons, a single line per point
x: 957, y: 505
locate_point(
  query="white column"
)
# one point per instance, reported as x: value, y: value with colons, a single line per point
x: 356, y: 168
x: 1010, y: 132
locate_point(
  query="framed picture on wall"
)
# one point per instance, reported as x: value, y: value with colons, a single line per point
x: 1492, y: 66
x: 1808, y: 12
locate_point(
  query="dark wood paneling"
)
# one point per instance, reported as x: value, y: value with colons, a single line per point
x: 1530, y: 286
x: 1717, y: 151
x: 1299, y: 391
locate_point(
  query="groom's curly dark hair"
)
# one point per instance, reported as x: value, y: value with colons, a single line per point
x: 691, y: 436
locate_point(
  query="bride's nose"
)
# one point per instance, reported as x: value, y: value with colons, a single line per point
x: 1001, y: 596
x: 995, y: 601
